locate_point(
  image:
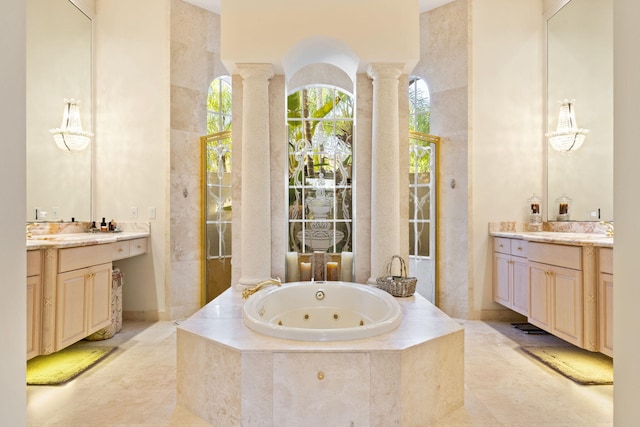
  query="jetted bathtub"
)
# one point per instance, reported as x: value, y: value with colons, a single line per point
x: 322, y: 311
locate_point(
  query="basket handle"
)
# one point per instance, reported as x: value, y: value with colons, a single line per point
x: 403, y: 266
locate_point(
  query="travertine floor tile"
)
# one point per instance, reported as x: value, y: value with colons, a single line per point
x: 135, y: 386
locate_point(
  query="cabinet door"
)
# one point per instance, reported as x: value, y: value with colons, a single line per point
x: 539, y: 310
x: 568, y: 310
x: 33, y: 316
x: 501, y: 278
x: 605, y: 301
x: 520, y: 286
x: 99, y: 297
x: 71, y: 297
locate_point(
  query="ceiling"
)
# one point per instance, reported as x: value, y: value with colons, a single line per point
x: 214, y: 5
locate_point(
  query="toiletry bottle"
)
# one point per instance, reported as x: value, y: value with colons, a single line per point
x: 103, y: 225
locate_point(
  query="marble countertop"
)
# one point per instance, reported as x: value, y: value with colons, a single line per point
x: 221, y: 321
x: 563, y: 238
x: 67, y: 240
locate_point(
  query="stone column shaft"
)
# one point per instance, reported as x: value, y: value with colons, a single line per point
x: 385, y: 170
x: 255, y: 198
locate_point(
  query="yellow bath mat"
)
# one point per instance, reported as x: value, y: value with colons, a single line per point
x: 582, y: 366
x: 62, y: 366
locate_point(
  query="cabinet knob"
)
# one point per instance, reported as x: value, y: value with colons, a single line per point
x: 501, y: 246
x: 120, y: 250
x: 519, y: 249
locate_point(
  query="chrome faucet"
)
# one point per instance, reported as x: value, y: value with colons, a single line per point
x: 609, y: 225
x: 246, y: 293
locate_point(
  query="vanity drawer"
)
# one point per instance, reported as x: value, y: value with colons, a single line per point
x: 553, y: 254
x: 34, y: 265
x: 606, y: 260
x: 502, y: 245
x: 83, y: 256
x: 137, y: 247
x: 129, y: 248
x: 120, y: 250
x: 519, y: 248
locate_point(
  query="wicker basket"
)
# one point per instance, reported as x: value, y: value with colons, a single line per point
x: 398, y: 286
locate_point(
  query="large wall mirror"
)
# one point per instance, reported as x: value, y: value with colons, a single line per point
x: 59, y: 66
x: 580, y: 67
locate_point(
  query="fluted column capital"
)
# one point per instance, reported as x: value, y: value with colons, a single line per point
x: 379, y: 71
x: 255, y: 71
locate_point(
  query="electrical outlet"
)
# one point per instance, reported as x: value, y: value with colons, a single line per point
x: 152, y: 212
x: 133, y: 212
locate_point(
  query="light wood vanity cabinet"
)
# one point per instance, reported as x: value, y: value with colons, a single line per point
x: 557, y: 290
x: 83, y: 293
x: 569, y: 288
x: 605, y: 300
x: 511, y: 274
x: 34, y: 298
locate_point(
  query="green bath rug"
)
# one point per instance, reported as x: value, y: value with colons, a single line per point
x: 64, y: 365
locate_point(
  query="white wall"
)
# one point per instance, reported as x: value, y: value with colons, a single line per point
x: 132, y: 136
x: 506, y: 141
x: 13, y: 304
x: 626, y: 316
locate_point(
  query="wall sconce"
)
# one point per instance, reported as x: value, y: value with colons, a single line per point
x: 567, y: 136
x: 69, y: 136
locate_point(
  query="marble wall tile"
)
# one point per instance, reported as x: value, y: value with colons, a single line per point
x: 213, y: 389
x: 257, y: 389
x: 188, y: 109
x: 438, y: 363
x: 385, y: 388
x: 313, y: 389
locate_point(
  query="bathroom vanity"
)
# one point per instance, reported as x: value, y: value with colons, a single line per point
x: 69, y: 285
x: 561, y: 281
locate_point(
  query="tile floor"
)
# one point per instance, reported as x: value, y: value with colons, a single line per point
x: 135, y: 386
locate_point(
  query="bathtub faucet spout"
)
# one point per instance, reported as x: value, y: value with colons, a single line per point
x: 246, y: 293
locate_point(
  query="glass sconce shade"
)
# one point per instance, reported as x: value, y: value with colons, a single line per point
x: 70, y: 136
x: 567, y: 137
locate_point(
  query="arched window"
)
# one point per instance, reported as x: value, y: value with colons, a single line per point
x: 219, y: 105
x: 320, y: 123
x: 216, y: 147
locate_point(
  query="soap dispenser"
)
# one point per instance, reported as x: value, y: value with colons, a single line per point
x: 103, y: 225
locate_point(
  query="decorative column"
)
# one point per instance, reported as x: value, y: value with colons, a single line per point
x: 255, y: 206
x: 385, y: 168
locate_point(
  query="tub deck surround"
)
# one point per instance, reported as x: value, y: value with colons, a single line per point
x: 230, y: 375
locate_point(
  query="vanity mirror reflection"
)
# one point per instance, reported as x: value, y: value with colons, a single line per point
x: 59, y: 67
x: 580, y: 67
